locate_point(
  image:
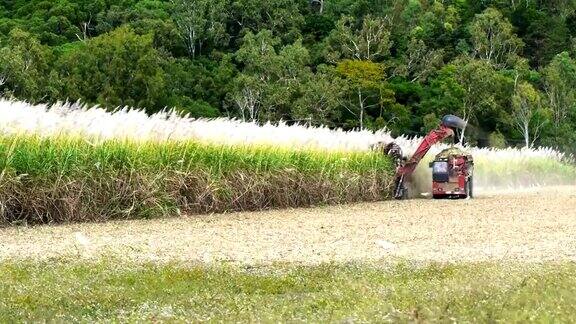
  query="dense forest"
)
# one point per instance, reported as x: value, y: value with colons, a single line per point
x: 508, y: 66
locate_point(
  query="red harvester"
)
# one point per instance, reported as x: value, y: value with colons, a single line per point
x: 452, y: 169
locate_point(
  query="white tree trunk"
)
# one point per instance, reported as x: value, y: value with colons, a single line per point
x: 527, y: 135
x: 463, y: 132
x: 361, y: 109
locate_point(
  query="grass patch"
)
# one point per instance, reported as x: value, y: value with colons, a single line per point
x: 108, y: 290
x: 63, y: 179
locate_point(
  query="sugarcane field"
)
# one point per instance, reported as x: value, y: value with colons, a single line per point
x: 239, y: 161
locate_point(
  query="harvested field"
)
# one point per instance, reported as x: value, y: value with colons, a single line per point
x: 532, y: 225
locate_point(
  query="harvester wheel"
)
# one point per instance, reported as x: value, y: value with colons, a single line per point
x: 400, y: 191
x: 470, y: 188
x: 404, y: 193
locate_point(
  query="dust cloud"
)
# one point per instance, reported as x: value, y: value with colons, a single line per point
x: 490, y: 179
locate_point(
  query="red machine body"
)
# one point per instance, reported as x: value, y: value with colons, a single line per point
x: 452, y: 174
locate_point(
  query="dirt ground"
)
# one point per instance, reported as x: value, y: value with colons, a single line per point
x: 532, y: 225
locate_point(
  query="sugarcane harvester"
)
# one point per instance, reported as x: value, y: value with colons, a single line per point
x: 452, y: 169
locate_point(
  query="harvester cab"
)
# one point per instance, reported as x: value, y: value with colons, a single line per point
x: 452, y: 170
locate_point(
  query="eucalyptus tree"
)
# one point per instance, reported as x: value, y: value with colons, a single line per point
x: 200, y: 22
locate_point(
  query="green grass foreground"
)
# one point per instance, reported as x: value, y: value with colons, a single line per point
x: 56, y: 290
x: 62, y: 179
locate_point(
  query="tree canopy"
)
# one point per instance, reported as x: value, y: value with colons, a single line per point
x: 509, y: 67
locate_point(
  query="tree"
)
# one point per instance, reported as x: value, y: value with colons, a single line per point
x: 199, y: 22
x: 468, y: 88
x: 366, y: 83
x: 25, y: 70
x: 320, y: 98
x: 436, y: 23
x: 198, y: 87
x: 282, y: 17
x: 270, y: 79
x: 545, y: 34
x: 560, y: 86
x: 419, y: 61
x: 493, y: 39
x: 259, y: 58
x: 528, y: 113
x: 477, y: 80
x: 319, y: 4
x: 561, y: 7
x: 370, y: 42
x: 247, y: 95
x: 116, y: 69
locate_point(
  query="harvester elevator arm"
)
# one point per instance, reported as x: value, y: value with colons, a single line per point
x: 432, y: 138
